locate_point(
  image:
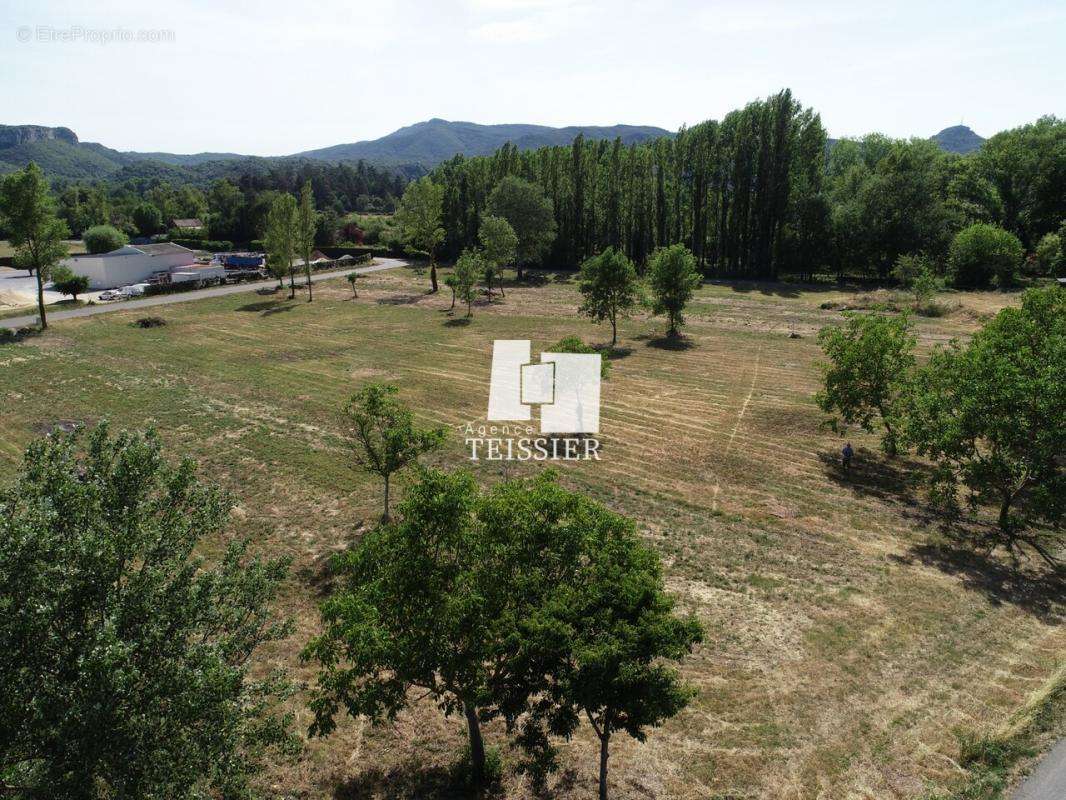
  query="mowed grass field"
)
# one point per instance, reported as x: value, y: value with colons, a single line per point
x: 847, y: 643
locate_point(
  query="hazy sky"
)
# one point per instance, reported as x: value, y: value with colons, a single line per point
x: 279, y: 77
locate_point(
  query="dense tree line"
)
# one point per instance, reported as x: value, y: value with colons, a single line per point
x: 763, y: 193
x: 234, y: 204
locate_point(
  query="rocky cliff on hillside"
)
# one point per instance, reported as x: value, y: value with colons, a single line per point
x: 14, y: 135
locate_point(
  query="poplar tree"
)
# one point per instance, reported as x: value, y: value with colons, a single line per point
x: 280, y: 239
x: 305, y: 230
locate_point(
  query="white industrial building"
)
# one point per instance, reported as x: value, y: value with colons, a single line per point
x: 134, y: 263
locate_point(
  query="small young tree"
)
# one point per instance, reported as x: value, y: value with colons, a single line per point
x: 673, y: 277
x: 530, y: 214
x: 982, y: 252
x: 29, y: 214
x: 871, y: 362
x: 383, y: 435
x: 468, y: 269
x: 121, y: 637
x: 500, y: 245
x: 306, y: 225
x: 281, y: 240
x: 992, y: 415
x: 419, y: 217
x: 609, y: 285
x: 451, y: 282
x: 352, y: 277
x: 104, y: 239
x: 915, y: 273
x: 65, y: 281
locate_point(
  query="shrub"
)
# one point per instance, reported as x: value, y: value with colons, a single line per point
x: 150, y: 322
x: 572, y: 344
x: 104, y: 239
x: 65, y: 281
x: 983, y: 252
x: 1051, y: 256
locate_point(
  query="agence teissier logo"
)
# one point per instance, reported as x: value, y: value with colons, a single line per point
x: 565, y: 387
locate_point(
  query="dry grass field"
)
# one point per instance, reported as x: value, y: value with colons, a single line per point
x: 847, y: 640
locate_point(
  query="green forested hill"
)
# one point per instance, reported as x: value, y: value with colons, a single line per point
x: 428, y: 143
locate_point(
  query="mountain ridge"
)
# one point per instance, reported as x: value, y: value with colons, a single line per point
x: 411, y: 150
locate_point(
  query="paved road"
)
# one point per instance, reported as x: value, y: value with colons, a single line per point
x: 1048, y: 780
x: 184, y: 297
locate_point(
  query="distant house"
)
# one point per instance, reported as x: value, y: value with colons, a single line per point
x: 133, y: 263
x: 188, y: 225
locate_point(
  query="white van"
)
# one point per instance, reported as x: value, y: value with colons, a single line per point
x: 134, y: 289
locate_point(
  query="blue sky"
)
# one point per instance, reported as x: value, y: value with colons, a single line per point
x: 279, y: 77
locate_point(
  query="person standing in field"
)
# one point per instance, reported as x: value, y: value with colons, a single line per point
x: 845, y: 456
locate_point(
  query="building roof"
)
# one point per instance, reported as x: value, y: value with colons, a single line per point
x: 161, y: 249
x: 188, y: 223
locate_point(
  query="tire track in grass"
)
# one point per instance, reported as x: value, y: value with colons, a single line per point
x: 736, y: 427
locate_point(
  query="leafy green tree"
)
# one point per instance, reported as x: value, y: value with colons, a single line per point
x: 281, y: 240
x: 104, y: 239
x: 29, y: 214
x: 383, y: 436
x: 119, y: 639
x: 419, y: 217
x: 476, y: 599
x: 609, y: 285
x: 65, y: 281
x: 148, y: 219
x: 871, y: 364
x: 82, y: 207
x: 1027, y: 165
x: 530, y: 214
x: 306, y: 226
x: 411, y: 613
x: 992, y: 415
x: 352, y: 277
x: 606, y: 636
x: 468, y: 269
x: 673, y: 278
x: 500, y: 246
x: 1051, y: 254
x: 981, y: 252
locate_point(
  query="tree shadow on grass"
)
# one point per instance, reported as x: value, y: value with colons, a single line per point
x: 410, y: 780
x: 613, y: 353
x: 458, y: 322
x: 1038, y: 590
x: 401, y: 299
x: 873, y: 474
x: 675, y: 343
x: 265, y: 307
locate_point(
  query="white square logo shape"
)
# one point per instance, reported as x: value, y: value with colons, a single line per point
x: 566, y: 386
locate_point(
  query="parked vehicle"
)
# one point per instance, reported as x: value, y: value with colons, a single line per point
x: 134, y: 289
x: 111, y: 294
